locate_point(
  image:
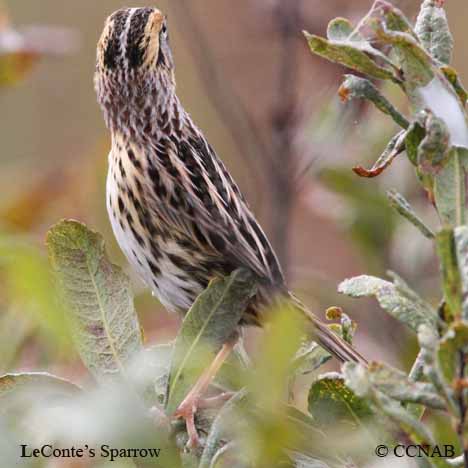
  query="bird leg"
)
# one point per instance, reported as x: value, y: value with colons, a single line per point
x: 215, y: 401
x: 193, y: 400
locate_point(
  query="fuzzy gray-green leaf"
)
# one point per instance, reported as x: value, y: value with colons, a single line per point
x: 433, y: 151
x: 449, y: 191
x: 355, y: 87
x: 339, y: 30
x: 349, y: 49
x: 98, y: 297
x: 359, y: 379
x: 416, y: 430
x: 395, y: 384
x: 409, y: 309
x: 416, y: 63
x: 433, y: 31
x: 210, y: 322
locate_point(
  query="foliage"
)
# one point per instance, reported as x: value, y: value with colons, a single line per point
x: 435, y: 140
x: 263, y: 424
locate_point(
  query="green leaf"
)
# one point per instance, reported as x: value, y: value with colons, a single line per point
x: 355, y: 87
x: 211, y: 321
x: 331, y: 403
x: 450, y: 351
x: 461, y: 246
x: 433, y: 31
x: 400, y: 204
x: 99, y: 299
x: 347, y: 47
x: 408, y: 308
x: 451, y: 280
x: 449, y: 191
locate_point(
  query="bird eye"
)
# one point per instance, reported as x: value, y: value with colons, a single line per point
x: 164, y: 30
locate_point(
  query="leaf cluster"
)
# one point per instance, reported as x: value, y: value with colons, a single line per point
x: 434, y: 138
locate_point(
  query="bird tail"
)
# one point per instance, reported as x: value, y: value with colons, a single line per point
x: 329, y: 340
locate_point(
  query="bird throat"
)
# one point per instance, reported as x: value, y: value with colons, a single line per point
x: 138, y: 108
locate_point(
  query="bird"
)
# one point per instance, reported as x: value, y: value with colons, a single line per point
x: 176, y: 211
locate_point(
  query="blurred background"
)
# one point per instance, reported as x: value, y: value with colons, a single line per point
x: 269, y: 108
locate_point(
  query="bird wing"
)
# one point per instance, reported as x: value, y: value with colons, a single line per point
x: 195, y: 195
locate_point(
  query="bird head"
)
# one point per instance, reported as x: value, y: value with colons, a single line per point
x: 134, y: 40
x: 134, y: 60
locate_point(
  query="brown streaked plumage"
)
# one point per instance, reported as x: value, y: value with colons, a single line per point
x: 177, y: 213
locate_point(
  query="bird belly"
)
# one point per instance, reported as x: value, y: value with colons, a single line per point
x: 174, y: 287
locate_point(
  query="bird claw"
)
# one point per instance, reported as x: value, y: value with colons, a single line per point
x: 186, y: 411
x: 188, y: 408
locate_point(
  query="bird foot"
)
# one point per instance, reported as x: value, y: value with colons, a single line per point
x: 186, y: 411
x: 191, y: 402
x: 215, y: 401
x: 189, y: 407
